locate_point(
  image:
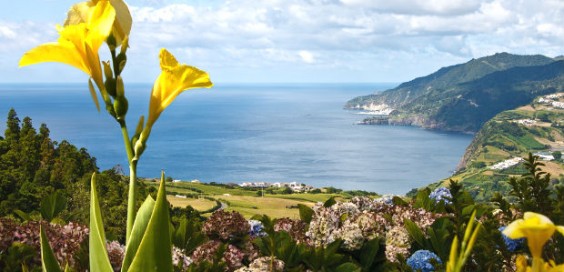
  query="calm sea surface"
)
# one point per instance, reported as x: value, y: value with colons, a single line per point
x: 235, y: 133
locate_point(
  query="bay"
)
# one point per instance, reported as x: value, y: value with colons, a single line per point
x: 250, y: 132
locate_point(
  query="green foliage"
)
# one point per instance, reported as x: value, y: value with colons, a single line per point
x: 463, y: 97
x: 188, y: 235
x: 328, y: 259
x: 48, y: 260
x: 18, y: 258
x: 32, y: 166
x: 306, y: 213
x: 279, y: 244
x: 532, y: 189
x: 52, y: 205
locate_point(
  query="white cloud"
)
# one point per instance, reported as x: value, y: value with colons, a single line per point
x: 368, y: 37
x: 306, y: 56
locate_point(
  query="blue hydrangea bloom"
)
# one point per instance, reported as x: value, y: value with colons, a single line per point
x: 386, y: 199
x: 421, y: 260
x: 257, y: 229
x: 441, y: 193
x: 512, y: 244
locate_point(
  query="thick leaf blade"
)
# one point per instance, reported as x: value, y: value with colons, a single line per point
x: 348, y: 267
x: 330, y: 202
x: 368, y: 253
x: 155, y: 250
x: 139, y: 227
x: 52, y: 205
x: 415, y: 233
x: 48, y: 261
x: 306, y: 213
x: 99, y: 261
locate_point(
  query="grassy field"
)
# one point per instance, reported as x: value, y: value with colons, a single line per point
x: 244, y: 201
x: 199, y: 204
x: 272, y: 206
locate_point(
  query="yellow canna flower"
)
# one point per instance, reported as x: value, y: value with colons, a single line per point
x: 174, y: 79
x: 79, y: 13
x: 78, y: 44
x: 537, y: 228
x: 521, y: 265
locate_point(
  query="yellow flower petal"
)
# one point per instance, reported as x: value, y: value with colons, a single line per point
x: 173, y: 80
x: 54, y: 52
x: 122, y: 24
x: 78, y: 13
x: 100, y: 23
x: 560, y: 229
x: 82, y: 12
x: 513, y: 230
x: 537, y: 228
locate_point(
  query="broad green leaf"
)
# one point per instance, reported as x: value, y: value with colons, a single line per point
x: 348, y: 267
x: 48, y: 261
x: 399, y: 201
x: 99, y: 261
x: 415, y: 232
x: 330, y: 202
x: 139, y: 227
x: 23, y: 215
x: 368, y: 253
x: 154, y: 252
x: 306, y: 213
x: 52, y: 205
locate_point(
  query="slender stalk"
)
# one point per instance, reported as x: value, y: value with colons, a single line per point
x: 132, y: 195
x: 132, y: 199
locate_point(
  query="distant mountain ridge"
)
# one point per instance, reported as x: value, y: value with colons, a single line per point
x: 463, y: 97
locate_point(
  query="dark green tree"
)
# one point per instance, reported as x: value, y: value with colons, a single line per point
x: 532, y: 189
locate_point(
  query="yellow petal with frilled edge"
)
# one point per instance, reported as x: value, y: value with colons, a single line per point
x: 174, y: 79
x: 81, y: 12
x: 54, y: 52
x: 537, y: 228
x: 100, y: 23
x: 122, y: 24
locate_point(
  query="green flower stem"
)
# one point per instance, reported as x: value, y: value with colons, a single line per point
x: 132, y: 196
x: 132, y: 199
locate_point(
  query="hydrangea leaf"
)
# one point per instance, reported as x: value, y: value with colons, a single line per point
x: 306, y: 213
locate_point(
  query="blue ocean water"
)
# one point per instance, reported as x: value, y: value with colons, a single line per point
x: 250, y: 132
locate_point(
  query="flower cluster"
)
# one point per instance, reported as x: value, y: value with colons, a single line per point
x: 364, y: 219
x: 295, y: 228
x: 397, y: 242
x: 225, y: 226
x: 441, y: 194
x: 421, y: 261
x: 512, y: 244
x: 179, y: 259
x: 116, y: 252
x: 233, y: 256
x: 65, y: 240
x: 257, y: 229
x: 264, y: 264
x: 326, y: 224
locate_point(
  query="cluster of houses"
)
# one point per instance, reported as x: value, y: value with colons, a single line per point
x: 552, y: 100
x: 506, y: 163
x: 295, y: 186
x: 514, y: 161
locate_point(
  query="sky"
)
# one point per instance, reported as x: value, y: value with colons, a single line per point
x: 253, y: 41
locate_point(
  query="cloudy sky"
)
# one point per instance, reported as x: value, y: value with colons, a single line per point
x: 298, y: 40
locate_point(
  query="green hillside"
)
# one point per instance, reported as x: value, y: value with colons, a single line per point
x: 492, y: 157
x: 465, y: 96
